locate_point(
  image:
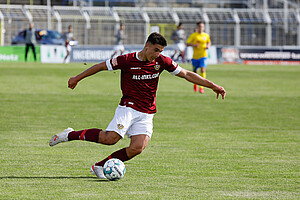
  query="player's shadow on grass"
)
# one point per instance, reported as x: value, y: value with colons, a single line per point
x: 52, y: 177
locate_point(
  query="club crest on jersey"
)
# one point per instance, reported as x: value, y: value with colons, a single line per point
x: 157, y: 66
x: 120, y: 126
x: 204, y: 38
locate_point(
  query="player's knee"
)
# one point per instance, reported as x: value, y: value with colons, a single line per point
x: 136, y: 149
x: 109, y: 138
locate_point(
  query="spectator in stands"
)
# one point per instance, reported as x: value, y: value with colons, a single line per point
x: 178, y: 36
x: 120, y: 37
x: 200, y: 41
x: 68, y: 36
x: 30, y: 40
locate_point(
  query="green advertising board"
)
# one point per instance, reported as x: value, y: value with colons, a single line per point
x: 17, y: 54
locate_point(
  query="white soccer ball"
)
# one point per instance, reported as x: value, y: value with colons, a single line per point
x: 114, y: 169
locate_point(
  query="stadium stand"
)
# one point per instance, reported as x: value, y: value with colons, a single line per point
x: 245, y: 23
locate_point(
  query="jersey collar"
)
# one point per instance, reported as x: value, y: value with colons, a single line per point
x: 137, y: 57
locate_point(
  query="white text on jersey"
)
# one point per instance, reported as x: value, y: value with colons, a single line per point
x: 145, y: 76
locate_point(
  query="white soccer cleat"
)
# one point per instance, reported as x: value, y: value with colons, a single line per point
x: 98, y: 171
x: 60, y: 137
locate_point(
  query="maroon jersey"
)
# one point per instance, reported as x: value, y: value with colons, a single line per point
x: 139, y: 79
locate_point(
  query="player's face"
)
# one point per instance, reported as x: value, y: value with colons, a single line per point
x: 201, y: 27
x: 153, y: 51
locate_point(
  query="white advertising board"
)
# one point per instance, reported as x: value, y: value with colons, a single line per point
x: 53, y: 53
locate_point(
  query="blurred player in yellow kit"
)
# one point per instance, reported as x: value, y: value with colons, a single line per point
x: 200, y: 41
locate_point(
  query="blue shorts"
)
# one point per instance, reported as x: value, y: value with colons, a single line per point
x: 198, y: 63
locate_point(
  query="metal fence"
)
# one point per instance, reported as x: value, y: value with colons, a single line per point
x: 98, y: 25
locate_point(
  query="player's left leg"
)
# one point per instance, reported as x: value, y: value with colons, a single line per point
x: 67, y: 55
x: 137, y: 145
x: 182, y: 54
x: 139, y: 132
x: 26, y: 52
x: 203, y: 72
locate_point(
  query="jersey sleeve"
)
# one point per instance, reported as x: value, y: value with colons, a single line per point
x: 208, y: 38
x: 191, y: 38
x: 172, y: 66
x: 116, y: 63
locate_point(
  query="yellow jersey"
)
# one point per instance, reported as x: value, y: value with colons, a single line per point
x: 202, y: 39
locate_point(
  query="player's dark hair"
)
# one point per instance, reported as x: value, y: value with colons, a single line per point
x: 200, y: 22
x: 156, y: 38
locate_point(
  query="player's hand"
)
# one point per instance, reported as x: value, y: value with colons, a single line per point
x: 72, y: 82
x: 219, y: 90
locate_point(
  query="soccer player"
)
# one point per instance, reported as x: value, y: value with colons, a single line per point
x: 200, y: 41
x: 68, y: 36
x: 120, y: 37
x: 178, y: 36
x: 134, y: 115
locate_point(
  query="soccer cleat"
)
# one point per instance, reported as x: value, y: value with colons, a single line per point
x: 201, y: 90
x: 98, y: 171
x: 195, y: 88
x: 60, y: 137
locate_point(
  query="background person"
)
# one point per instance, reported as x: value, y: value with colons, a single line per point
x: 134, y: 116
x: 69, y: 49
x: 120, y: 37
x: 200, y: 41
x: 68, y: 36
x: 30, y: 40
x: 178, y: 36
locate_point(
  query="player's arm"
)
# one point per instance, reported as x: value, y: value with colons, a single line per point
x: 90, y: 71
x: 208, y: 45
x: 190, y: 42
x: 197, y: 79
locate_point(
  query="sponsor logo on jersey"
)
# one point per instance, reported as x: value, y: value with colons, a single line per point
x: 157, y: 66
x: 135, y: 68
x: 145, y: 76
x: 120, y: 126
x: 114, y: 62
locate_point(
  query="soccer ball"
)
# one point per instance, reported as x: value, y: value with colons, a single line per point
x: 114, y: 169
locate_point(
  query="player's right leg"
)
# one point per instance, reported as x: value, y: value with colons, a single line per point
x: 92, y: 135
x: 26, y: 52
x: 60, y: 137
x: 195, y: 64
x: 203, y: 72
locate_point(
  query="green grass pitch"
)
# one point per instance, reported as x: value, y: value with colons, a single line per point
x: 243, y: 147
